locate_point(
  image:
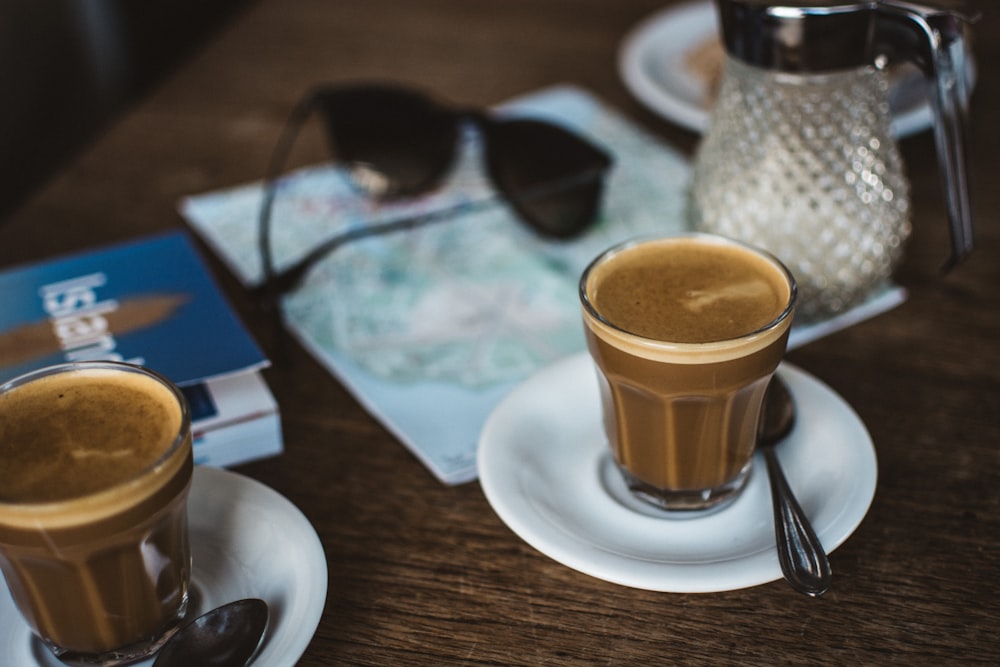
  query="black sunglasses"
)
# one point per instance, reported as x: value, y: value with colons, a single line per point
x: 395, y: 142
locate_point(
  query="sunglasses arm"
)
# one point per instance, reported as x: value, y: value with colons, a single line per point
x: 275, y: 167
x: 288, y: 279
x: 280, y: 283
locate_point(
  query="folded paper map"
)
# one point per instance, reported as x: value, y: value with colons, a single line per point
x: 430, y: 328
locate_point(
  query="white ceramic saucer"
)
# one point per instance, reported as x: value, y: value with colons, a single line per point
x: 247, y: 541
x: 653, y: 64
x: 545, y: 467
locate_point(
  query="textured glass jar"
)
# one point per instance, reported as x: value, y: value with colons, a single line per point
x: 804, y: 166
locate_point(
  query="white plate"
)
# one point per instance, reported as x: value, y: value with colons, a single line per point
x: 545, y: 467
x: 247, y: 541
x: 653, y: 63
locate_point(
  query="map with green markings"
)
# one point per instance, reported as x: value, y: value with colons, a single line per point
x: 431, y: 327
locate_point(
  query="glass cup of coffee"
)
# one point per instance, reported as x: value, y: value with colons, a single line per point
x: 95, y: 468
x: 685, y: 332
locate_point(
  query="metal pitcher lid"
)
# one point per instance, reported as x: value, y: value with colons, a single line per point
x: 798, y: 35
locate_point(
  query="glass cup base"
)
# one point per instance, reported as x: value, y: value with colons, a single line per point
x: 687, y: 502
x: 125, y: 655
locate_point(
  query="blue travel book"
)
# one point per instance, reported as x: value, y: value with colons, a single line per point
x: 151, y: 302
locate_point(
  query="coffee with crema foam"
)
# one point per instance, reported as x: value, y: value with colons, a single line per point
x: 95, y: 465
x: 686, y: 333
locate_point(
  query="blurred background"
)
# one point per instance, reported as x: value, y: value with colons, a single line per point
x: 69, y: 67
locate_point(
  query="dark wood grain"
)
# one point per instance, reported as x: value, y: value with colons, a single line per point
x: 424, y: 574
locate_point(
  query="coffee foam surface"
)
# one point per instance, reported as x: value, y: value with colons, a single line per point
x: 687, y: 300
x: 81, y: 445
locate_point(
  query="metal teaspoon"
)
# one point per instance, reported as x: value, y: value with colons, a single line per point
x: 803, y: 560
x: 226, y: 636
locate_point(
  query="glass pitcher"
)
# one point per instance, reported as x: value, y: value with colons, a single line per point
x: 798, y: 157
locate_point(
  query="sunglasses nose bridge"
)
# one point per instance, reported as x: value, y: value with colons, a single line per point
x: 477, y: 117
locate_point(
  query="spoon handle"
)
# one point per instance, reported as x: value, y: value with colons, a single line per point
x: 803, y: 560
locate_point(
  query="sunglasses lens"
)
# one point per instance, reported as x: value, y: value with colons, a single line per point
x: 395, y: 141
x: 553, y: 178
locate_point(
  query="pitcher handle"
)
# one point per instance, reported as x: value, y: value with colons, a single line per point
x: 934, y: 39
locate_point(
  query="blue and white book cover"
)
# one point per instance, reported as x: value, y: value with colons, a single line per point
x: 150, y: 301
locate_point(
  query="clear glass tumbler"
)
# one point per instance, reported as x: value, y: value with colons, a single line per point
x: 95, y: 468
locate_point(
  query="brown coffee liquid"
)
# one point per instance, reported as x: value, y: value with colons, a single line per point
x: 684, y: 363
x: 93, y: 526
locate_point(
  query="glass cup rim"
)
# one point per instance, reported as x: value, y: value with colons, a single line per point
x: 117, y: 366
x: 614, y: 250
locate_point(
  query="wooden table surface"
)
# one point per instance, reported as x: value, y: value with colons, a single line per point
x: 421, y: 573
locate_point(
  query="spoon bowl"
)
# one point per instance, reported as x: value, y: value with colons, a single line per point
x: 800, y: 553
x: 226, y: 636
